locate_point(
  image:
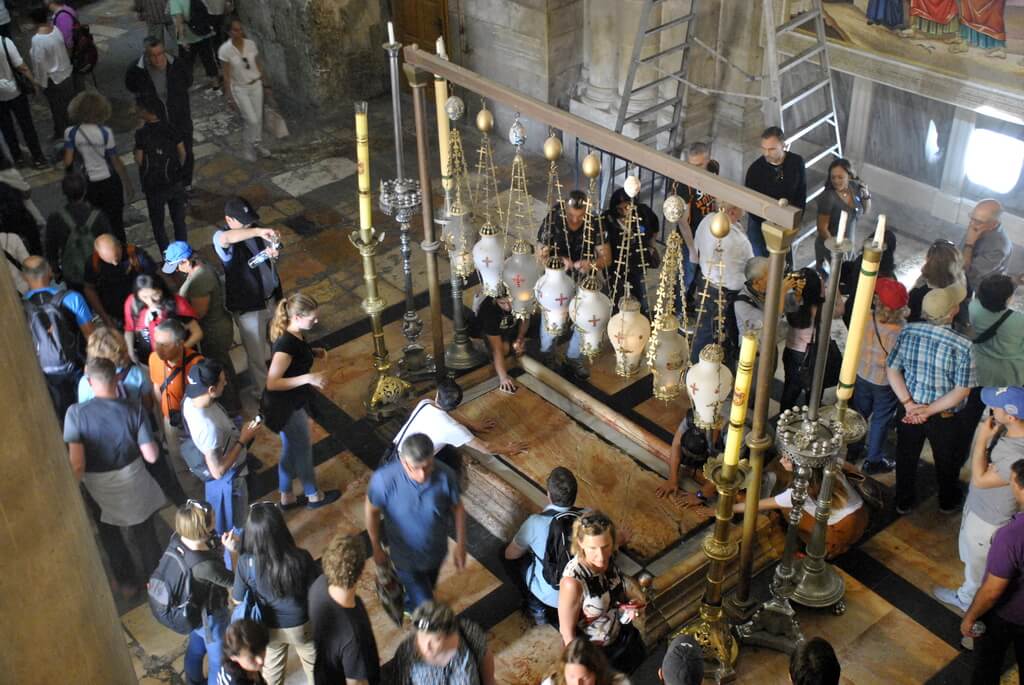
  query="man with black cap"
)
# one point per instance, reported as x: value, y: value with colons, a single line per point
x: 251, y: 284
x: 683, y: 663
x: 215, y: 450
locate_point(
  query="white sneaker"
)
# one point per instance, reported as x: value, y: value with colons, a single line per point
x: 950, y: 598
x: 262, y: 151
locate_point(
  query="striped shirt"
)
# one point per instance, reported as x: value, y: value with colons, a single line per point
x: 874, y: 351
x: 934, y: 360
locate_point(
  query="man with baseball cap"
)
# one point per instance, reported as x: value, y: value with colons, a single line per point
x: 204, y: 291
x: 872, y: 396
x: 931, y: 370
x: 215, y: 450
x: 998, y: 443
x: 252, y: 287
x: 683, y: 663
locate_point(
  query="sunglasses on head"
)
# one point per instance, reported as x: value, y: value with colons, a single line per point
x: 256, y: 505
x: 198, y: 504
x: 245, y: 61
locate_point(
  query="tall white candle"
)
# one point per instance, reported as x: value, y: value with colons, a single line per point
x: 391, y: 33
x: 441, y: 52
x: 841, y: 233
x: 880, y: 231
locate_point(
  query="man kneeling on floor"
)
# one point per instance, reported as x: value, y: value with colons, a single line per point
x: 546, y: 538
x: 998, y: 443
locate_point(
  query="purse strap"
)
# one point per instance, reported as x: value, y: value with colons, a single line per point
x: 398, y: 440
x: 879, y: 335
x: 990, y: 332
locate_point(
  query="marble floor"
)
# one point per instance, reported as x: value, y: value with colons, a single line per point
x: 893, y: 630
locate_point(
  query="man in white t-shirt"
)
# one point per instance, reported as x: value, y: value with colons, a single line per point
x: 431, y: 418
x: 214, y: 442
x: 14, y: 104
x: 51, y: 69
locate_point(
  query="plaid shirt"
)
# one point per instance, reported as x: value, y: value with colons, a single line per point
x: 873, y: 351
x: 934, y: 360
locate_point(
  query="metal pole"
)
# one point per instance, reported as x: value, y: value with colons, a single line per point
x: 739, y: 605
x: 401, y: 198
x: 430, y: 243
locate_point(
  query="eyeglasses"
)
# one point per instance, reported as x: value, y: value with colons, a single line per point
x: 425, y: 625
x: 264, y: 503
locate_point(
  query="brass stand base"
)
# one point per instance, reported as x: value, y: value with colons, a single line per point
x: 711, y: 631
x: 820, y: 587
x: 416, y: 364
x: 464, y: 354
x: 774, y: 626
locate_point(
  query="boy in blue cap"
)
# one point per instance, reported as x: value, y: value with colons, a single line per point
x: 998, y: 443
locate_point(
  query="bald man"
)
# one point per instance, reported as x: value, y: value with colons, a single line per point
x: 986, y: 247
x: 62, y: 368
x: 109, y: 275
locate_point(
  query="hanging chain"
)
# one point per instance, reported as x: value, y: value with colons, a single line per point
x: 668, y: 283
x: 720, y: 300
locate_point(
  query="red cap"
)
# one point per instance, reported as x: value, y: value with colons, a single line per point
x: 891, y: 293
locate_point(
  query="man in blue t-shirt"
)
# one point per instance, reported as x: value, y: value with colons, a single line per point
x: 62, y: 382
x: 417, y: 496
x: 532, y: 538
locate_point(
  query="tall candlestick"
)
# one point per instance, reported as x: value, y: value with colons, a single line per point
x: 880, y: 231
x: 841, y: 233
x: 859, y: 320
x: 391, y: 33
x: 740, y: 394
x: 363, y: 169
x: 440, y: 100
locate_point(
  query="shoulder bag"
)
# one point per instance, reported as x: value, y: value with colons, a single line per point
x: 991, y: 331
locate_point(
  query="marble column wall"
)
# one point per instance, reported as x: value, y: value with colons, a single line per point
x: 602, y: 88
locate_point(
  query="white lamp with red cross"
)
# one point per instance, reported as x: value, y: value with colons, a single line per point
x: 629, y: 331
x: 590, y: 311
x: 520, y: 276
x: 488, y: 257
x: 554, y: 291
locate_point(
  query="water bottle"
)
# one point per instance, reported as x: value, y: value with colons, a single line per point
x: 263, y: 255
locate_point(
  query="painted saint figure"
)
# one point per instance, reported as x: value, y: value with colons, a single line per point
x: 887, y: 13
x: 936, y: 18
x: 983, y: 25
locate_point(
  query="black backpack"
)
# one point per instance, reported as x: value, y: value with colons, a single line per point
x: 558, y: 548
x: 84, y: 54
x: 199, y: 18
x: 161, y: 167
x: 55, y: 333
x: 170, y: 591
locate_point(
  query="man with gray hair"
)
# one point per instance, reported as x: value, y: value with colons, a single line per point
x: 169, y: 365
x: 417, y: 497
x: 986, y: 247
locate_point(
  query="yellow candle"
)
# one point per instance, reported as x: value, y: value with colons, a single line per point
x: 363, y: 167
x: 740, y: 396
x: 859, y: 319
x: 440, y: 99
x: 880, y: 231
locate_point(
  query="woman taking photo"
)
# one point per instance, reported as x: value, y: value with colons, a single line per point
x: 243, y: 87
x: 211, y: 582
x: 285, y: 402
x: 583, y: 662
x: 278, y: 573
x: 92, y: 143
x: 150, y: 304
x: 802, y: 307
x: 592, y: 597
x: 245, y: 648
x: 443, y: 649
x: 843, y: 193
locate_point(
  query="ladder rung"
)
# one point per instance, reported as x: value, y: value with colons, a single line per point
x: 796, y: 21
x: 823, y: 118
x: 802, y: 57
x: 667, y: 51
x: 653, y: 108
x: 669, y: 24
x: 655, y: 82
x: 646, y: 135
x: 814, y: 194
x: 820, y: 156
x: 809, y: 90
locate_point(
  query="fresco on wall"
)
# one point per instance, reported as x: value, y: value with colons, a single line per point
x: 980, y: 40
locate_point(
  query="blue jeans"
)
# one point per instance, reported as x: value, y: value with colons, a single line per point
x: 200, y: 645
x: 547, y: 342
x: 296, y: 454
x: 418, y: 585
x: 879, y: 403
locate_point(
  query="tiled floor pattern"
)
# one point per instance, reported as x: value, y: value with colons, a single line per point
x: 308, y: 193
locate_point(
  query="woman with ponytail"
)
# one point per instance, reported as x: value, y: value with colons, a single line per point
x: 285, y: 402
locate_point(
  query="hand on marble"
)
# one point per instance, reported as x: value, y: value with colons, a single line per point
x: 516, y: 447
x: 459, y: 557
x: 317, y: 380
x: 670, y: 487
x: 485, y: 426
x: 507, y: 385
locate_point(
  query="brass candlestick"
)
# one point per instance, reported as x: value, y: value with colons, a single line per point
x: 387, y: 392
x: 430, y: 244
x: 739, y: 605
x: 728, y: 474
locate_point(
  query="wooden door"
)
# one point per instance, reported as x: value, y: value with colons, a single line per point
x: 421, y: 22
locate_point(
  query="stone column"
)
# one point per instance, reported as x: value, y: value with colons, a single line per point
x: 60, y: 624
x: 605, y: 41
